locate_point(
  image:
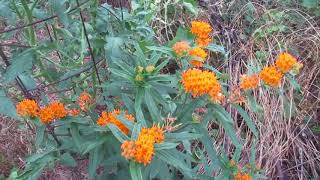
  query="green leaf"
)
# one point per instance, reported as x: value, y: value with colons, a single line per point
x: 182, y: 136
x: 181, y: 35
x: 74, y: 130
x: 135, y: 131
x: 120, y: 73
x: 254, y: 106
x: 117, y: 133
x: 125, y: 121
x: 59, y: 9
x: 28, y: 81
x: 168, y: 157
x: 193, y: 9
x: 20, y: 63
x: 216, y: 48
x: 310, y: 3
x: 166, y: 145
x: 88, y: 146
x: 68, y: 160
x: 127, y: 102
x: 152, y: 107
x: 227, y: 126
x: 6, y: 106
x: 141, y: 59
x: 125, y: 67
x: 162, y: 49
x: 35, y: 157
x: 247, y: 119
x: 113, y: 48
x: 135, y: 171
x: 31, y: 172
x: 208, y: 144
x: 40, y: 135
x: 296, y: 86
x: 225, y: 119
x: 160, y: 66
x: 187, y: 110
x: 155, y: 57
x: 222, y: 113
x: 94, y: 160
x: 5, y: 11
x: 253, y: 154
x: 137, y: 107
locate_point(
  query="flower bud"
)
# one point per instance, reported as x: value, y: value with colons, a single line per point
x: 139, y: 69
x: 150, y: 68
x: 139, y: 78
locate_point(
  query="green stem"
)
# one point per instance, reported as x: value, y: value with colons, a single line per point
x: 34, y: 4
x: 32, y: 34
x: 16, y: 9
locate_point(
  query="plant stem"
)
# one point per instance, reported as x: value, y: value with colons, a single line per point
x: 32, y: 35
x: 51, y: 131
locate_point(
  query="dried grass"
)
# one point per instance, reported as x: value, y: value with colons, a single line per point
x: 15, y: 143
x: 287, y: 147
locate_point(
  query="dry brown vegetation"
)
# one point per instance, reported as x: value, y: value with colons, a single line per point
x: 288, y: 148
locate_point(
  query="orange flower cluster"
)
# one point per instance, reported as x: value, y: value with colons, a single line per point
x: 242, y: 176
x: 142, y: 150
x: 203, y: 42
x: 128, y: 149
x: 198, y: 52
x: 271, y: 76
x: 181, y: 48
x: 202, y: 31
x: 198, y: 83
x: 285, y: 62
x: 55, y: 110
x: 236, y: 97
x: 47, y: 114
x: 249, y: 82
x: 84, y: 101
x: 109, y: 117
x: 28, y: 107
x: 73, y: 112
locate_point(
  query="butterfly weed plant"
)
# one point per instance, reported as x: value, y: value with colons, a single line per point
x: 103, y: 89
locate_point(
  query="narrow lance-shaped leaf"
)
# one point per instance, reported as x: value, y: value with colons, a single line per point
x: 137, y: 107
x: 152, y: 107
x: 120, y: 73
x: 20, y: 63
x: 94, y: 160
x: 125, y: 121
x: 40, y: 134
x: 175, y: 137
x: 165, y: 145
x: 67, y: 159
x: 228, y: 127
x: 6, y: 106
x: 169, y: 158
x: 128, y: 102
x: 155, y: 57
x: 135, y: 171
x: 74, y: 130
x: 117, y: 133
x: 164, y: 50
x: 135, y: 131
x: 247, y: 119
x: 208, y: 144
